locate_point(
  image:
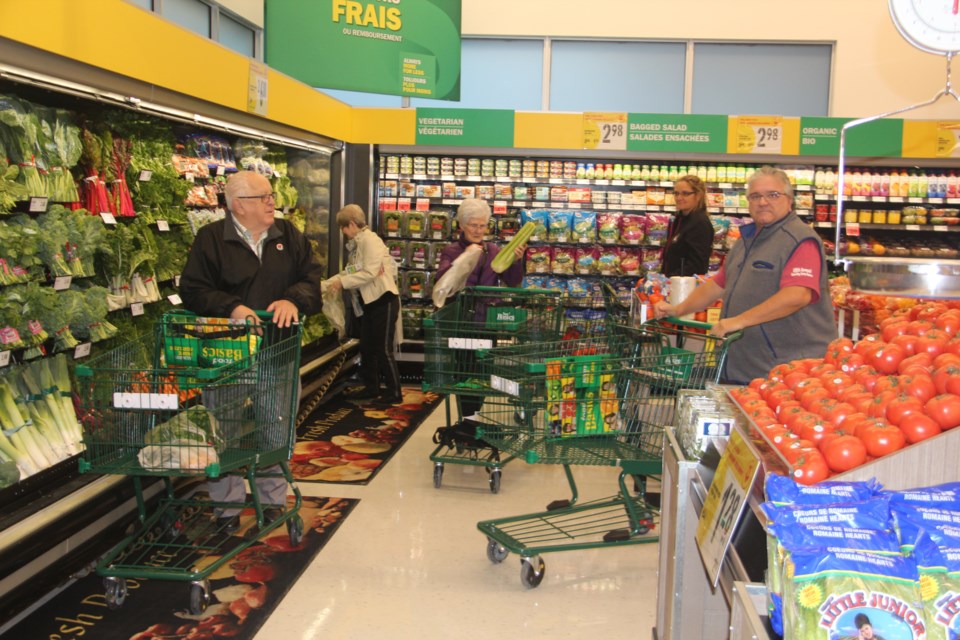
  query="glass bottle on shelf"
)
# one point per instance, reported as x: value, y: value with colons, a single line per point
x: 722, y: 173
x: 712, y: 174
x: 618, y: 172
x: 645, y: 172
x: 636, y: 173
x: 581, y: 170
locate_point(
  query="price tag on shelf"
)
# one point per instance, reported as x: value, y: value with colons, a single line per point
x: 601, y: 181
x: 529, y: 180
x: 603, y: 130
x: 423, y: 204
x: 62, y: 283
x: 136, y: 309
x: 940, y: 227
x: 82, y: 350
x: 450, y: 201
x: 822, y: 196
x: 743, y: 210
x: 163, y: 225
x: 879, y: 198
x: 582, y: 181
x: 896, y: 199
x: 725, y: 503
x: 669, y: 207
x: 499, y: 207
x: 504, y: 179
x: 638, y: 183
x: 519, y: 203
x: 913, y: 227
x: 38, y: 205
x: 823, y: 225
x: 759, y: 134
x: 419, y: 176
x: 4, y: 358
x: 473, y: 178
x: 619, y: 182
x: 915, y: 200
x: 853, y: 229
x: 448, y: 177
x: 538, y: 205
x: 803, y: 187
x: 221, y: 169
x: 174, y: 299
x: 108, y: 218
x: 859, y: 198
x: 935, y: 200
x: 713, y: 209
x: 653, y: 207
x: 145, y: 175
x: 725, y: 185
x: 598, y: 205
x: 391, y: 176
x: 555, y: 181
x: 953, y: 200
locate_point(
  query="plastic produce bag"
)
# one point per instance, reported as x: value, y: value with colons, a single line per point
x: 456, y: 277
x: 188, y: 441
x: 333, y: 309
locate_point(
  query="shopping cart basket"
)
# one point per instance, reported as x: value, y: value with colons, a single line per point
x: 196, y: 397
x: 479, y: 318
x: 598, y: 401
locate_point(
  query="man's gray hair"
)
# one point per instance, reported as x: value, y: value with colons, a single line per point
x: 772, y: 172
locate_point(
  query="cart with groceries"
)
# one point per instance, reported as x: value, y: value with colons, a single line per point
x: 602, y: 400
x: 201, y: 397
x: 479, y: 318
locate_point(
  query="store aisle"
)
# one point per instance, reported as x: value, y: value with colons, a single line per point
x: 410, y: 563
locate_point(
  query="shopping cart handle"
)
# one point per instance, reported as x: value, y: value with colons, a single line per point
x: 263, y: 315
x: 694, y: 324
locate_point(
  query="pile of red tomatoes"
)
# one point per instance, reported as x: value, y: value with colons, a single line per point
x: 865, y: 400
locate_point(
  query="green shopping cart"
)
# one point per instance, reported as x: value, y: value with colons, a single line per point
x: 196, y: 397
x: 597, y: 401
x: 479, y: 318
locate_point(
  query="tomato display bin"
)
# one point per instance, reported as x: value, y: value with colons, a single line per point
x: 926, y: 463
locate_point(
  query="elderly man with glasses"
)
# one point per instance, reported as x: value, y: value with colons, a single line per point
x: 773, y: 285
x: 250, y: 261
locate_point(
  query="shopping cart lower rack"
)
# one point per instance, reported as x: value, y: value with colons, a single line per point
x: 196, y: 397
x: 598, y: 401
x: 478, y: 318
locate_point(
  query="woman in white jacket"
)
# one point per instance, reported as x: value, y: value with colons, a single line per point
x: 371, y: 272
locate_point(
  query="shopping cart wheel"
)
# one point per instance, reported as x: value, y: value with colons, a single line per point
x: 646, y: 522
x: 494, y: 480
x: 199, y: 596
x: 437, y: 474
x: 531, y: 571
x: 496, y: 552
x: 295, y: 530
x: 115, y: 591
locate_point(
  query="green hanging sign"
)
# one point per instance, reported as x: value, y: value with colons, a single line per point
x: 465, y: 127
x: 821, y: 137
x: 397, y: 47
x: 666, y: 132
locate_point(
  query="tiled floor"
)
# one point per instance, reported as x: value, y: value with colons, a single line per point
x: 409, y: 562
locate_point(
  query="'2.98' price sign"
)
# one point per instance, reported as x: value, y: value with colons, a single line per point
x: 725, y: 501
x: 759, y: 134
x: 605, y: 131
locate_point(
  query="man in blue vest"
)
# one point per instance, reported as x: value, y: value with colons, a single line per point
x: 773, y: 285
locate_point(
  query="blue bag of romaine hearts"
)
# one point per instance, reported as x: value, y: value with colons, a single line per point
x: 784, y: 490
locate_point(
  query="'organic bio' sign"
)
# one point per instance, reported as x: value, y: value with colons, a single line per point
x: 665, y: 132
x: 465, y: 127
x: 399, y: 47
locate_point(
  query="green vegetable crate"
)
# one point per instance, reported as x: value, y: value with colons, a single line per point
x: 592, y: 401
x: 196, y: 397
x: 480, y: 318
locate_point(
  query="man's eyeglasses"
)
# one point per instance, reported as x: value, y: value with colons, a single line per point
x: 265, y: 198
x: 685, y: 194
x: 771, y: 196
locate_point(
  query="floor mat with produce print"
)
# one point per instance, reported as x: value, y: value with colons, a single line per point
x: 349, y: 441
x: 243, y: 593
